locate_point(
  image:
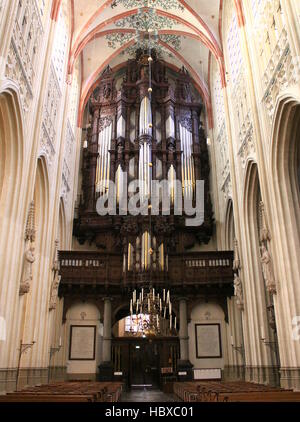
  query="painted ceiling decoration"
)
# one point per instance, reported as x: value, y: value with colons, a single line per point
x: 163, y: 4
x: 144, y: 42
x: 146, y: 19
x: 182, y: 32
x: 146, y: 23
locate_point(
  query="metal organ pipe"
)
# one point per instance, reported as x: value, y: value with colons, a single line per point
x: 187, y: 167
x: 103, y: 165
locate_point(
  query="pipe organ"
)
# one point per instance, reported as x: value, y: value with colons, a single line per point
x: 133, y: 137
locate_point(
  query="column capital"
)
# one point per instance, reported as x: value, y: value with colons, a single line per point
x: 182, y: 299
x: 107, y: 299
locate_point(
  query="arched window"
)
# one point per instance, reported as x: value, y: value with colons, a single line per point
x: 234, y: 49
x: 60, y: 45
x: 268, y: 25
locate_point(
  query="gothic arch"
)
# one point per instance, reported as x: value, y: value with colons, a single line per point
x: 41, y: 200
x: 285, y: 170
x: 11, y: 151
x: 255, y: 290
x: 285, y: 181
x: 252, y: 195
x: 229, y: 225
x: 62, y: 226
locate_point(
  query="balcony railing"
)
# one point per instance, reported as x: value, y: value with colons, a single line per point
x: 106, y: 269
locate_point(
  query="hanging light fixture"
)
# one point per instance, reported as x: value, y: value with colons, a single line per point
x: 151, y: 311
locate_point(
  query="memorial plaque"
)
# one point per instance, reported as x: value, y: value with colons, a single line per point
x: 82, y: 342
x: 208, y: 341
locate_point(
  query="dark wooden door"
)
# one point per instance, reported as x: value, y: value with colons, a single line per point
x: 142, y: 361
x: 144, y: 364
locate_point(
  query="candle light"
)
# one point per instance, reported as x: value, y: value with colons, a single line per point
x: 168, y: 296
x: 142, y: 294
x: 164, y: 295
x: 160, y: 305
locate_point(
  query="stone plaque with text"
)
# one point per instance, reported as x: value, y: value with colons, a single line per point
x: 208, y: 341
x: 82, y: 342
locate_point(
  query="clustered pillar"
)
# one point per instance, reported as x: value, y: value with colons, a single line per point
x: 184, y: 365
x: 106, y: 368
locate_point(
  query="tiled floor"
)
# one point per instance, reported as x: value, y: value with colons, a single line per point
x: 150, y: 396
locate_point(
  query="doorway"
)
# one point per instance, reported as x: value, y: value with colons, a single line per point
x: 145, y: 363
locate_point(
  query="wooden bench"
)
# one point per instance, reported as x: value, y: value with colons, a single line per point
x: 32, y: 398
x: 86, y: 391
x: 272, y: 396
x: 216, y: 391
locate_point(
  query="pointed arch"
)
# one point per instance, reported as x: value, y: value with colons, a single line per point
x: 62, y: 225
x: 41, y: 202
x: 229, y: 225
x: 11, y: 149
x: 285, y: 180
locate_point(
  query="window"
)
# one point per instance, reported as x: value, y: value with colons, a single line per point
x: 234, y: 49
x: 60, y: 46
x: 134, y: 324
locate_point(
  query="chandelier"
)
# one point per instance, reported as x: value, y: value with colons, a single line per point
x: 152, y: 312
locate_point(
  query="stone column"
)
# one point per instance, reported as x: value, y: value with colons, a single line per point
x: 106, y: 367
x: 184, y: 365
x: 107, y: 331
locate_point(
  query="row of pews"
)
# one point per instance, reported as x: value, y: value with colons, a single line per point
x: 79, y: 391
x: 236, y: 391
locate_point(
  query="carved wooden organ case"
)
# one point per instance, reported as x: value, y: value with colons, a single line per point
x: 119, y: 140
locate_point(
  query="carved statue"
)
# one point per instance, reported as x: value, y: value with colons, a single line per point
x: 56, y: 278
x: 106, y: 91
x: 268, y: 270
x: 54, y: 291
x: 264, y: 234
x: 27, y: 271
x: 238, y: 291
x: 236, y: 259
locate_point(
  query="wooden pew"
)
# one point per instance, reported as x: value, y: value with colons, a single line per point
x: 215, y: 391
x: 86, y: 391
x: 45, y: 398
x: 266, y: 396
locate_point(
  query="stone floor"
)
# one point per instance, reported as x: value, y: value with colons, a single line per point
x: 150, y: 396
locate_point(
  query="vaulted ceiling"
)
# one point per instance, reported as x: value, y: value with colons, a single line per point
x: 107, y: 32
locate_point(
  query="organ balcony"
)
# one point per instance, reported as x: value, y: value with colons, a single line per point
x: 100, y: 272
